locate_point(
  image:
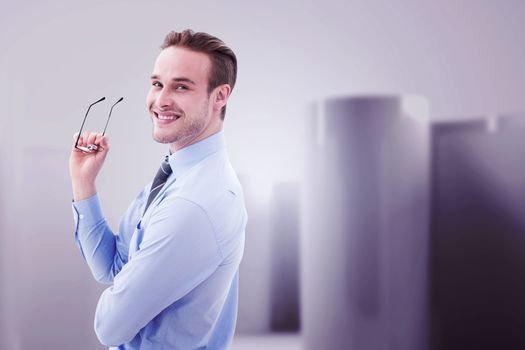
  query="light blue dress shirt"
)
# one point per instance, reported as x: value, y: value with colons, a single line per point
x: 173, y: 270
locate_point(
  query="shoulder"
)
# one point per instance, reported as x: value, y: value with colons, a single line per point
x: 210, y: 182
x: 213, y: 189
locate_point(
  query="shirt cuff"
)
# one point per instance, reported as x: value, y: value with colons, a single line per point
x: 87, y: 212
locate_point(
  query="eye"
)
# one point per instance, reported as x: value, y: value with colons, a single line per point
x: 156, y: 84
x: 181, y: 87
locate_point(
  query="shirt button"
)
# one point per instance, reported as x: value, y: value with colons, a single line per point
x: 81, y: 216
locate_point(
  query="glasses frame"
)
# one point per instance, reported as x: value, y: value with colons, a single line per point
x: 91, y: 147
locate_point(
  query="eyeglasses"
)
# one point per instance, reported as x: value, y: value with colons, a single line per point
x: 91, y: 148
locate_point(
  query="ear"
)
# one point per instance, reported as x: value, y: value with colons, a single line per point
x: 220, y: 97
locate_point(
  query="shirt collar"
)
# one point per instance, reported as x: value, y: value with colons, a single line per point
x: 185, y: 158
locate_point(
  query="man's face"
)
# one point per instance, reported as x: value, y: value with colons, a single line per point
x: 178, y: 99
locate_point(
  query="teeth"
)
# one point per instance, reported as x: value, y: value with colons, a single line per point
x: 167, y: 117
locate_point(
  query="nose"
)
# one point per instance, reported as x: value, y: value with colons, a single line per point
x: 164, y: 99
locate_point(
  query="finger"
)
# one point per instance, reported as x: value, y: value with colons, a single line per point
x: 75, y: 138
x: 104, y: 142
x: 90, y: 140
x: 98, y: 137
x: 98, y: 142
x: 83, y: 139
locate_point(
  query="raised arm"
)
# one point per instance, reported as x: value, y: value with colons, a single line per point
x: 96, y: 241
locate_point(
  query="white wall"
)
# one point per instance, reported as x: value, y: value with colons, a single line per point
x: 58, y: 56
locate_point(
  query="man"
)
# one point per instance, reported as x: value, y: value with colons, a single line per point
x: 173, y: 264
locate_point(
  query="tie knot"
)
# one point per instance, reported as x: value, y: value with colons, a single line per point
x: 165, y: 167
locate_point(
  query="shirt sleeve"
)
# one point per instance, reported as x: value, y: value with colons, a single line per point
x: 178, y: 252
x: 96, y: 241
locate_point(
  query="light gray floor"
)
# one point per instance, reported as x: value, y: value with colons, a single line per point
x: 286, y: 341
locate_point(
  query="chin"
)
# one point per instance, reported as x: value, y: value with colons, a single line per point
x: 162, y: 138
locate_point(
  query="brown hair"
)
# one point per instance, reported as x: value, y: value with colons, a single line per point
x: 223, y: 61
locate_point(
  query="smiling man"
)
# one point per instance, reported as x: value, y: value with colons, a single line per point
x: 173, y: 263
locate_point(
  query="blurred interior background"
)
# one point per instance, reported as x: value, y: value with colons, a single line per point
x: 377, y: 219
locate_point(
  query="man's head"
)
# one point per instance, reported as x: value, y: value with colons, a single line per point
x: 223, y: 61
x: 191, y: 82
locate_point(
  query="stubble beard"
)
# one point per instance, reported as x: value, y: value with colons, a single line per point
x: 191, y: 128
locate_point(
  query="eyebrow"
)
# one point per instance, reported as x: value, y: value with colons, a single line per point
x: 178, y: 80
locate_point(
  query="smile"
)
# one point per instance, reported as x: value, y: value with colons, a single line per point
x: 166, y: 116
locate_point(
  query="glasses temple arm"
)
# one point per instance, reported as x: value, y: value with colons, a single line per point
x: 85, y: 117
x: 111, y: 110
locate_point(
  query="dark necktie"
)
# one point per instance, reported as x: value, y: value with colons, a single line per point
x: 159, y: 181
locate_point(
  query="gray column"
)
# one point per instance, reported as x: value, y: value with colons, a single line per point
x: 284, y: 257
x: 55, y: 290
x: 50, y: 296
x: 364, y: 249
x: 9, y: 338
x: 478, y: 234
x: 254, y: 315
x: 269, y: 271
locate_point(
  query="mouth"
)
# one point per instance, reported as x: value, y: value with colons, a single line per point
x: 166, y: 117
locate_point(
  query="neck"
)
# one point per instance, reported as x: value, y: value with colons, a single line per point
x: 176, y: 146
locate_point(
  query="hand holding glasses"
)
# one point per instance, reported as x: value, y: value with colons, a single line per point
x: 91, y: 147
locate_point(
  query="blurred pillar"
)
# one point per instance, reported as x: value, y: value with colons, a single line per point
x: 8, y: 337
x: 269, y: 272
x: 47, y: 298
x: 478, y: 234
x: 364, y: 249
x: 5, y: 265
x: 55, y: 291
x: 284, y: 258
x: 254, y: 315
